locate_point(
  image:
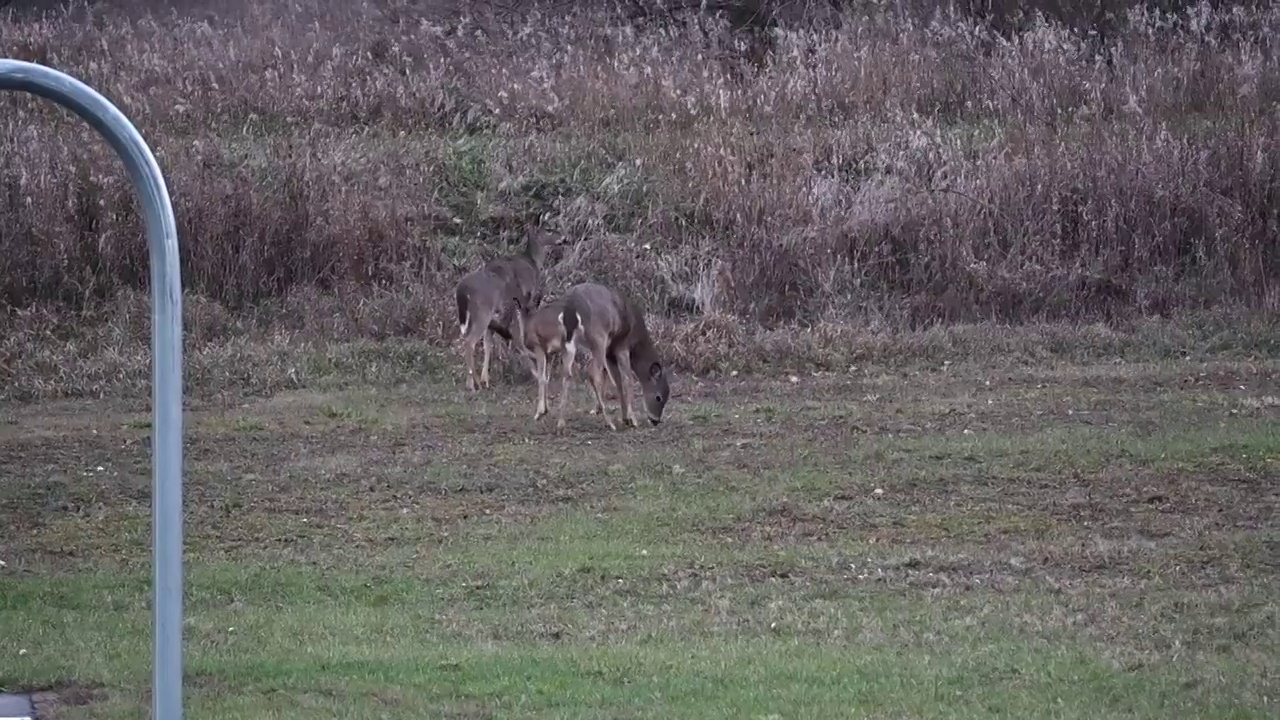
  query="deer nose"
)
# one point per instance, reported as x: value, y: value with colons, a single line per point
x: 654, y: 421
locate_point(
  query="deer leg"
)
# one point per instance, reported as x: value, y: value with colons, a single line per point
x: 615, y: 363
x: 595, y: 372
x: 469, y: 355
x: 488, y: 350
x: 470, y: 337
x: 540, y: 374
x: 598, y: 408
x: 570, y: 350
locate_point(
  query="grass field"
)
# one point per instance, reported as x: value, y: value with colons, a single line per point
x: 973, y: 324
x: 957, y: 540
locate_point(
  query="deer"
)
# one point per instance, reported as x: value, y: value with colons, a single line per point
x: 611, y: 327
x: 490, y: 298
x: 541, y: 336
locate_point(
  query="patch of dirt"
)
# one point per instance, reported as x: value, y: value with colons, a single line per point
x: 50, y: 702
x: 788, y: 522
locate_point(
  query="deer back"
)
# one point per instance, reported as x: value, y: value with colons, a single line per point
x: 599, y: 310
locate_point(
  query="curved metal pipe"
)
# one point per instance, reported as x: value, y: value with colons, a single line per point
x: 166, y: 359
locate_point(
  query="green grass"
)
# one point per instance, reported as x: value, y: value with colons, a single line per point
x: 300, y: 643
x: 423, y: 553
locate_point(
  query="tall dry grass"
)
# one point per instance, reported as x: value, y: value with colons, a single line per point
x: 336, y: 166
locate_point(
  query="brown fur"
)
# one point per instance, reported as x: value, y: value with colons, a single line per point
x: 489, y: 300
x: 542, y: 337
x: 611, y: 327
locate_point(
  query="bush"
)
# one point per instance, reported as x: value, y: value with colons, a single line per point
x: 908, y: 167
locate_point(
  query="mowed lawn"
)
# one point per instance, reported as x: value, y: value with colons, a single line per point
x: 1061, y: 541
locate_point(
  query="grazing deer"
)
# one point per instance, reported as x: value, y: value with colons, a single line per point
x: 611, y: 327
x: 486, y: 298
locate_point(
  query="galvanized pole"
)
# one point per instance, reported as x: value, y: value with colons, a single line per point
x: 166, y: 360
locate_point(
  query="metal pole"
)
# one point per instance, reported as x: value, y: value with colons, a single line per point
x: 166, y: 360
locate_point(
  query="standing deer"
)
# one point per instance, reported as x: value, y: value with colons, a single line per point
x: 487, y: 297
x: 541, y: 336
x: 611, y: 327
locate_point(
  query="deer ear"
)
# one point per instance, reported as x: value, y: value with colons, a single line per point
x: 655, y: 371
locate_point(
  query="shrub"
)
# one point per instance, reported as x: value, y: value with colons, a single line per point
x: 914, y: 166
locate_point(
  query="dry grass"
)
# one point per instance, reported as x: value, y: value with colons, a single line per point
x: 885, y: 172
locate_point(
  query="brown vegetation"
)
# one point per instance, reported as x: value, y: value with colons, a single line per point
x: 885, y: 166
